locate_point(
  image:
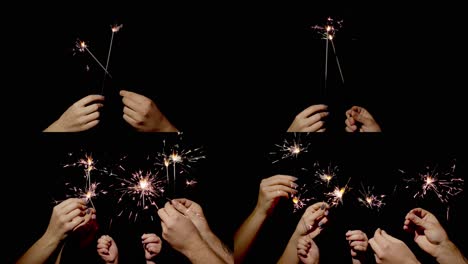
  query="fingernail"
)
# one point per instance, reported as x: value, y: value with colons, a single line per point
x: 294, y: 185
x: 93, y: 216
x: 323, y: 206
x: 294, y: 178
x: 326, y: 212
x: 320, y: 224
x: 88, y: 211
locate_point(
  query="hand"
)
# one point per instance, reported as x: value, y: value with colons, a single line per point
x: 81, y: 116
x: 66, y: 217
x: 390, y: 250
x: 428, y: 233
x: 310, y: 120
x: 152, y: 245
x: 359, y: 118
x: 313, y: 220
x: 107, y: 249
x: 307, y: 250
x: 178, y: 230
x: 194, y: 212
x: 358, y: 242
x: 271, y: 189
x: 143, y: 114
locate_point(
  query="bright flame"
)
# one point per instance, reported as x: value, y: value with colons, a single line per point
x: 144, y: 183
x: 295, y: 200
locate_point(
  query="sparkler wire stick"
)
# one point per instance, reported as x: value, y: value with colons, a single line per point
x: 337, y: 61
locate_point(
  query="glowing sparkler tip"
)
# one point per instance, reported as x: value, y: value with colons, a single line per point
x: 144, y: 184
x: 295, y: 199
x: 116, y: 28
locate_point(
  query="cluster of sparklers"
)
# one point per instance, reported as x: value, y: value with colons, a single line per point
x: 327, y: 32
x: 139, y: 189
x: 82, y: 46
x: 324, y: 187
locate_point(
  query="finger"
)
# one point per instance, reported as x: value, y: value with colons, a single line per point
x: 357, y: 109
x: 179, y: 207
x: 135, y: 106
x: 91, y: 109
x: 351, y: 129
x: 131, y: 96
x: 359, y: 237
x: 322, y: 130
x: 349, y: 122
x: 102, y: 245
x: 132, y: 114
x: 279, y: 179
x: 151, y: 239
x: 75, y: 222
x: 171, y: 211
x: 88, y: 118
x: 283, y: 188
x: 315, y: 118
x: 88, y: 99
x: 358, y: 243
x: 318, y: 206
x: 103, y: 251
x: 186, y: 202
x: 77, y: 212
x: 75, y: 204
x: 379, y: 238
x: 315, y: 127
x: 376, y: 248
x: 389, y: 237
x: 130, y: 120
x: 163, y: 215
x: 359, y: 248
x: 353, y: 253
x: 90, y: 125
x: 419, y: 212
x: 312, y: 109
x: 69, y: 201
x: 302, y: 252
x: 353, y: 232
x: 361, y: 118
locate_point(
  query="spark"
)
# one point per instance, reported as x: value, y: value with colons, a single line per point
x: 114, y: 29
x: 290, y: 149
x: 335, y: 197
x: 326, y: 175
x: 301, y: 198
x: 370, y: 200
x: 142, y: 189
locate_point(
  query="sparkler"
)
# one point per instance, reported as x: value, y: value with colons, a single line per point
x: 87, y: 193
x: 143, y: 188
x: 443, y: 185
x: 114, y: 29
x: 335, y: 197
x: 302, y: 198
x: 290, y: 149
x: 325, y: 176
x: 370, y: 200
x: 327, y: 32
x: 81, y: 46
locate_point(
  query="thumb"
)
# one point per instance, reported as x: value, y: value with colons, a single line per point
x: 416, y: 220
x: 360, y: 118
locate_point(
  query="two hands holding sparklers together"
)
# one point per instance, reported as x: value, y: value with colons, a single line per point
x: 358, y: 119
x: 183, y: 223
x: 429, y: 234
x: 139, y: 112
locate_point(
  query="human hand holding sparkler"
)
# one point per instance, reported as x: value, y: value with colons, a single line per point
x: 307, y: 250
x: 66, y: 217
x: 358, y: 243
x: 310, y: 120
x: 389, y: 250
x: 194, y: 212
x: 310, y: 225
x: 152, y: 245
x: 431, y: 236
x: 143, y: 114
x: 81, y: 116
x: 271, y: 190
x: 107, y: 250
x: 358, y: 119
x: 184, y: 237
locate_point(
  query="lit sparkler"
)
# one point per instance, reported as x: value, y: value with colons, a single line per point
x: 302, y: 198
x: 335, y: 197
x: 369, y: 199
x: 327, y: 32
x: 290, y: 149
x: 443, y: 185
x: 81, y: 46
x: 142, y: 188
x: 326, y: 175
x: 114, y: 29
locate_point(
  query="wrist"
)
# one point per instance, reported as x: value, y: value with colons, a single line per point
x: 447, y: 252
x: 54, y: 127
x: 166, y: 126
x: 48, y: 240
x: 195, y: 248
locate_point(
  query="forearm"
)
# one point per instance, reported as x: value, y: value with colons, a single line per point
x: 39, y: 252
x: 450, y: 254
x: 201, y: 253
x: 218, y: 246
x: 246, y: 234
x: 290, y: 252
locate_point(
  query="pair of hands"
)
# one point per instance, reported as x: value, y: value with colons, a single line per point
x: 107, y: 248
x: 358, y: 119
x: 428, y: 234
x: 139, y: 111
